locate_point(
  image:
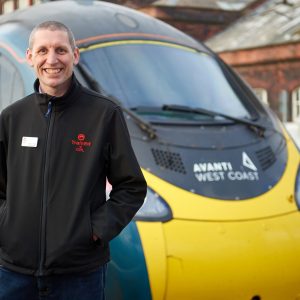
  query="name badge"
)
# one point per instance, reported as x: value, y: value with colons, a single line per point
x: 28, y: 141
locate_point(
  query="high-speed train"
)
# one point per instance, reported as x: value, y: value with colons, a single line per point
x: 221, y: 218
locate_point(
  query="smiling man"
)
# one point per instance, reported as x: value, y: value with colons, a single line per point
x: 52, y: 54
x: 58, y: 146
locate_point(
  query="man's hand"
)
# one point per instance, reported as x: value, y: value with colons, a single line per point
x: 95, y: 238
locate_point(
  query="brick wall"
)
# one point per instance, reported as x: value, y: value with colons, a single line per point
x: 198, y: 23
x: 274, y: 68
x: 200, y: 32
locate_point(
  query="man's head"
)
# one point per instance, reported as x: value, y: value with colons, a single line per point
x: 52, y: 53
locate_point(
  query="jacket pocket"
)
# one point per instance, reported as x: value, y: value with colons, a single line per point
x: 74, y: 247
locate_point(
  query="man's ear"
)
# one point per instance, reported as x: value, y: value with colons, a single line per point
x: 29, y: 57
x: 76, y: 56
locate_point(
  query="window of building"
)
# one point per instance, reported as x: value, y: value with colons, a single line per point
x: 262, y: 95
x: 23, y: 3
x: 8, y: 6
x: 11, y: 84
x: 296, y: 104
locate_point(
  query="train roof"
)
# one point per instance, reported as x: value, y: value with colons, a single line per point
x: 94, y: 21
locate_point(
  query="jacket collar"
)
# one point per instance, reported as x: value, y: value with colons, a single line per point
x: 59, y: 103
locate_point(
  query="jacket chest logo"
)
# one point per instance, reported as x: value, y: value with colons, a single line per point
x: 81, y: 143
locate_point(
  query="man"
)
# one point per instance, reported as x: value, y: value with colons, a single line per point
x: 57, y: 147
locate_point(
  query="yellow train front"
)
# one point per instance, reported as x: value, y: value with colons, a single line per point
x: 221, y: 219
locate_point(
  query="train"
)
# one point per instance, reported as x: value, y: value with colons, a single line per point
x: 221, y: 217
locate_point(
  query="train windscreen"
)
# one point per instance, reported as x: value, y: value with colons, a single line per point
x: 153, y: 74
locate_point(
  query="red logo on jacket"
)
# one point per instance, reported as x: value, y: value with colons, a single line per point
x: 81, y: 143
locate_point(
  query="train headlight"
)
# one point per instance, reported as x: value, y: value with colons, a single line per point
x: 297, y: 188
x: 154, y: 209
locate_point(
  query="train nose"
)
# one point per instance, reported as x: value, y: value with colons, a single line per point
x: 242, y: 260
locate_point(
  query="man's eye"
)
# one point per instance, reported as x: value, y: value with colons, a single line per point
x: 42, y: 51
x: 61, y: 51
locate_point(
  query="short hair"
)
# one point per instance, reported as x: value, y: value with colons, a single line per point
x: 52, y: 25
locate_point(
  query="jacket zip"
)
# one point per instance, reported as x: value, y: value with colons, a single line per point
x: 50, y: 121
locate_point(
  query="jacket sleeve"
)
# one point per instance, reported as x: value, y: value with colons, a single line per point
x: 128, y: 184
x: 3, y: 172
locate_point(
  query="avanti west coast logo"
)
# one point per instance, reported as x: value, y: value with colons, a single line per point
x: 81, y: 143
x: 224, y: 170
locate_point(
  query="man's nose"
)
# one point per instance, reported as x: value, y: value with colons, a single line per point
x: 51, y: 57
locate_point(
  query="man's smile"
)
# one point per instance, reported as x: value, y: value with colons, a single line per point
x: 52, y: 70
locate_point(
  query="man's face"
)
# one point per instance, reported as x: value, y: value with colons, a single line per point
x: 53, y: 59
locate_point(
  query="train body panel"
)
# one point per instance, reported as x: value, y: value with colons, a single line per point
x: 238, y: 268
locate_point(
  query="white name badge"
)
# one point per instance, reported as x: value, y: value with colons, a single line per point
x: 28, y: 141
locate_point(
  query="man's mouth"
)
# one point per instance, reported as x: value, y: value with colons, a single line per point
x: 52, y: 70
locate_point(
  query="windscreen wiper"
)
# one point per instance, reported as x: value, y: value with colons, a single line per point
x: 144, y: 125
x: 260, y: 129
x: 94, y: 85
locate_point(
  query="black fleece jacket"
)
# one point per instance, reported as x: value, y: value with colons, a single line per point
x: 55, y: 156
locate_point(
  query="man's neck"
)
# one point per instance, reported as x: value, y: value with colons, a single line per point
x: 57, y: 91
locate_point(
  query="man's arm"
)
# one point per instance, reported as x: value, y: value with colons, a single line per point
x: 3, y: 171
x: 128, y: 184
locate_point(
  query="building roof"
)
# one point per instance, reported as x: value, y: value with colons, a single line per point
x: 234, y: 5
x: 274, y: 22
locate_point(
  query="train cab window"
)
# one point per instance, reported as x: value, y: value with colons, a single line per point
x: 11, y: 84
x: 152, y: 74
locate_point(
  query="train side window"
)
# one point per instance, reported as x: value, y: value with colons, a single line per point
x: 11, y: 83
